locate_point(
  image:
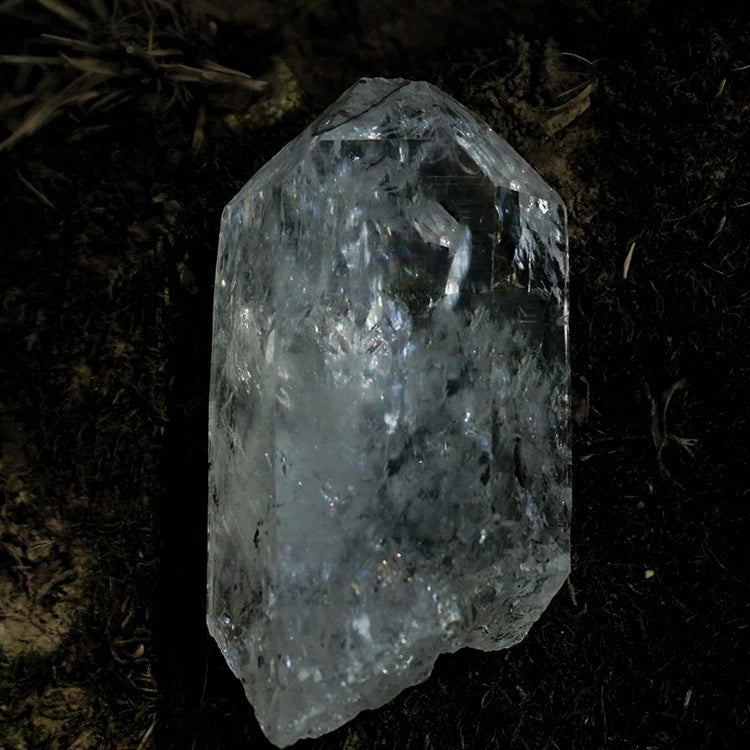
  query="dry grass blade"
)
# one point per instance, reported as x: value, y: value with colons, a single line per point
x: 219, y: 74
x: 73, y: 17
x: 583, y: 95
x: 577, y: 57
x: 628, y: 260
x: 78, y: 92
x: 130, y: 44
x: 569, y: 111
x: 29, y: 60
x: 574, y: 91
x: 156, y: 52
x: 108, y: 101
x: 180, y: 73
x: 214, y: 66
x: 8, y: 103
x: 76, y: 44
x: 38, y: 193
x: 91, y: 65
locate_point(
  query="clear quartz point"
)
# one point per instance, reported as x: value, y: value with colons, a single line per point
x: 389, y: 409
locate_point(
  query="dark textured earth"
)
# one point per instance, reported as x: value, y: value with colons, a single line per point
x: 109, y: 213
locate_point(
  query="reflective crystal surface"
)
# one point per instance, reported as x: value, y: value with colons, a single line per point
x: 389, y: 419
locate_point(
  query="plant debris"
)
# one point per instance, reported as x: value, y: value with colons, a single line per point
x: 146, y: 52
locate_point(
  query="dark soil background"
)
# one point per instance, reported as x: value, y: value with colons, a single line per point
x: 109, y: 213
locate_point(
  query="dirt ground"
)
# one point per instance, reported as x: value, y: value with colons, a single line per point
x: 116, y: 161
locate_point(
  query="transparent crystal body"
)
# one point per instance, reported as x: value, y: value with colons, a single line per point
x: 389, y: 416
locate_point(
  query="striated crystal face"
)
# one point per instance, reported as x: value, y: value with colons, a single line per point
x: 389, y: 419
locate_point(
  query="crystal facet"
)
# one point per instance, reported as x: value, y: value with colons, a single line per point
x: 389, y: 417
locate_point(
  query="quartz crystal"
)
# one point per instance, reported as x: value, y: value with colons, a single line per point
x: 389, y: 416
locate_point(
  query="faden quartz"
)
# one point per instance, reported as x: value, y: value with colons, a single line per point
x: 389, y: 417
